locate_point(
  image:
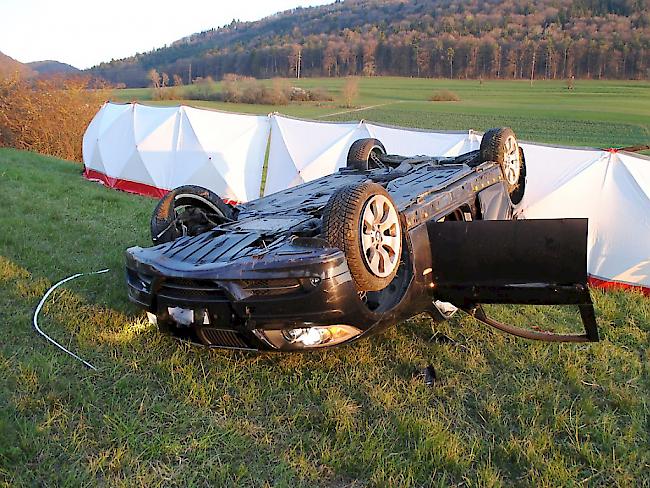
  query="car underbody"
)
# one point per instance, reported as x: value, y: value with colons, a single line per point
x: 280, y: 273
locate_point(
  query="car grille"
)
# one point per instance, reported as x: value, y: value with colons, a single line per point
x: 271, y: 287
x: 139, y: 281
x: 223, y: 338
x: 180, y: 288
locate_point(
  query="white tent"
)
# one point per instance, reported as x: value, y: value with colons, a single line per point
x: 414, y: 142
x: 302, y: 150
x: 150, y: 150
x: 612, y: 190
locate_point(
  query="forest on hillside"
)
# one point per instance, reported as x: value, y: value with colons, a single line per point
x: 510, y: 39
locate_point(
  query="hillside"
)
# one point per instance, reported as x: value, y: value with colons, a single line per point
x: 9, y: 66
x: 50, y: 67
x: 553, y: 39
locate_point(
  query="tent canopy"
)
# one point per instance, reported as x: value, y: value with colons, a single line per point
x: 151, y: 150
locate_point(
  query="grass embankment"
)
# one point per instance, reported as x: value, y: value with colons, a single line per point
x: 159, y: 413
x: 594, y: 113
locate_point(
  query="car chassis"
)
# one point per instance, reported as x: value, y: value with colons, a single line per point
x: 268, y: 276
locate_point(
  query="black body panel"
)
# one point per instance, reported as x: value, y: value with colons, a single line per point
x: 529, y: 251
x: 534, y: 262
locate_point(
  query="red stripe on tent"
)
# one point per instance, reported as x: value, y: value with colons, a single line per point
x: 608, y: 285
x: 132, y: 186
x: 125, y: 185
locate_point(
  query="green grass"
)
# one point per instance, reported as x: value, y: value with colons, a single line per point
x: 160, y: 413
x: 595, y: 113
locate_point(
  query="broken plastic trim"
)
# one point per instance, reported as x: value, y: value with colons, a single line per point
x: 40, y: 306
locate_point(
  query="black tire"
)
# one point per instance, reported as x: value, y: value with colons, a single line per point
x: 493, y: 148
x: 343, y: 226
x: 362, y: 153
x: 188, y: 210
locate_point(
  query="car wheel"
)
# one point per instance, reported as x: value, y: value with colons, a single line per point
x: 364, y: 154
x: 188, y: 210
x: 362, y: 220
x: 500, y: 145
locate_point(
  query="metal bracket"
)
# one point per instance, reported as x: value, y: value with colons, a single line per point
x: 586, y: 313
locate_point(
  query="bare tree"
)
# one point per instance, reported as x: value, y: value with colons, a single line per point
x: 294, y: 60
x: 532, y: 67
x: 422, y: 59
x: 450, y: 58
x: 156, y: 92
x: 329, y: 59
x: 155, y: 78
x: 350, y: 91
x: 369, y: 48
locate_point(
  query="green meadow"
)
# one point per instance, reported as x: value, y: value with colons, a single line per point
x: 594, y: 113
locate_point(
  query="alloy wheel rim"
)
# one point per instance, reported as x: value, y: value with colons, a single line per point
x: 511, y: 161
x: 381, y: 238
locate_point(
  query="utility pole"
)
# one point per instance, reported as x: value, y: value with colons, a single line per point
x: 189, y: 75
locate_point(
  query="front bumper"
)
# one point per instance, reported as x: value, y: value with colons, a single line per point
x: 249, y: 309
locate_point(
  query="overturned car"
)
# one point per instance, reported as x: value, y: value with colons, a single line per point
x: 347, y: 255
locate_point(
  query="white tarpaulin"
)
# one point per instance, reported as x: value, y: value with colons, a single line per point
x: 151, y: 150
x: 103, y: 121
x: 612, y: 190
x: 414, y: 142
x: 304, y: 150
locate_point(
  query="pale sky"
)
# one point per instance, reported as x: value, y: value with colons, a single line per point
x: 85, y: 33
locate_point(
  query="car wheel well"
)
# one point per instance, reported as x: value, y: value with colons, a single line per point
x: 188, y: 210
x: 384, y: 300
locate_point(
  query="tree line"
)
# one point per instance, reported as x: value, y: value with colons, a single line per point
x: 512, y: 39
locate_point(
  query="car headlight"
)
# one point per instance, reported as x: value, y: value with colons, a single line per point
x: 319, y: 336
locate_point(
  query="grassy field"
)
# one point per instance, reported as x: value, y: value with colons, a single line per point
x: 594, y: 113
x: 160, y: 413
